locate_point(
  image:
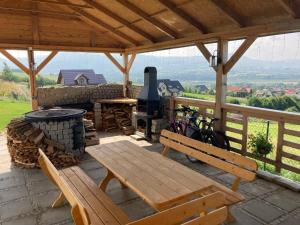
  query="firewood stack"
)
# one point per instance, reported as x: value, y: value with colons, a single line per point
x: 23, y: 141
x: 91, y: 137
x: 116, y: 116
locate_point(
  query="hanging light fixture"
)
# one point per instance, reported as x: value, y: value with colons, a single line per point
x: 214, y: 60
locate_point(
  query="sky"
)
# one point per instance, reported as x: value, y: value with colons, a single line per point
x: 271, y: 48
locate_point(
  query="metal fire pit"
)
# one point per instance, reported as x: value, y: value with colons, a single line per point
x: 62, y: 125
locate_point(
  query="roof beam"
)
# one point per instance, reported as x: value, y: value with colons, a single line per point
x: 182, y: 14
x: 165, y: 29
x: 104, y: 25
x: 238, y: 54
x: 15, y: 61
x: 130, y: 62
x: 233, y: 34
x: 45, y: 61
x: 61, y: 3
x: 120, y: 20
x: 229, y: 12
x: 35, y: 25
x: 46, y: 12
x: 289, y: 8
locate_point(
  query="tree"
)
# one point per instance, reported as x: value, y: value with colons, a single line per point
x: 7, y: 73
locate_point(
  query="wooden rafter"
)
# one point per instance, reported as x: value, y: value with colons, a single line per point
x: 35, y: 24
x: 289, y: 8
x: 259, y: 30
x: 104, y: 25
x: 45, y: 61
x: 61, y: 3
x: 120, y: 20
x: 233, y: 15
x: 238, y: 54
x: 15, y: 61
x: 162, y: 27
x: 115, y: 62
x: 45, y: 12
x: 181, y: 13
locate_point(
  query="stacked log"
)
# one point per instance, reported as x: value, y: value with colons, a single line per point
x: 117, y: 116
x: 23, y: 141
x: 91, y: 137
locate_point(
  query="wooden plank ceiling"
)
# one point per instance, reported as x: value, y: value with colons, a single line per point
x: 139, y: 25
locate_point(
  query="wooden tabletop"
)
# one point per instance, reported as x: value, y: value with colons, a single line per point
x: 160, y: 181
x: 129, y: 101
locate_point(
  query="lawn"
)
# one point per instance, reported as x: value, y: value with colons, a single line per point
x: 10, y: 109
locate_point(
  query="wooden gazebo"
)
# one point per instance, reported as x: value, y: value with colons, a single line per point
x: 129, y: 27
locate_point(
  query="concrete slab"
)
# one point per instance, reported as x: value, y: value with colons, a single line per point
x: 286, y: 200
x: 262, y: 210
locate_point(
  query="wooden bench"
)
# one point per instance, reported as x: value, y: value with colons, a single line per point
x: 90, y: 205
x: 237, y: 165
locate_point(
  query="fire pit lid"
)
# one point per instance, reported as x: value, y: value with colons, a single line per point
x: 54, y: 114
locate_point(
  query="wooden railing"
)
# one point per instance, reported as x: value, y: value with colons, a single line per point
x: 240, y: 121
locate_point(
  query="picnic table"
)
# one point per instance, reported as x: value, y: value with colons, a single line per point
x: 160, y: 181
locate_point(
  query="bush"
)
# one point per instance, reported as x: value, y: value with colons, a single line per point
x: 234, y: 101
x: 279, y: 103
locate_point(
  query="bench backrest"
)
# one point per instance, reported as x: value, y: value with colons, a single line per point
x: 230, y: 162
x: 79, y: 213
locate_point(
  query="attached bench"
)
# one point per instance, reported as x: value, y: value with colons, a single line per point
x: 90, y: 205
x: 237, y: 165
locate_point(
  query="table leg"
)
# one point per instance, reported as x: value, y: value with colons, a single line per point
x: 59, y: 201
x: 230, y: 217
x: 103, y: 184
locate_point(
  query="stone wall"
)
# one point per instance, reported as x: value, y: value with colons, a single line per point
x: 49, y: 97
x: 134, y: 91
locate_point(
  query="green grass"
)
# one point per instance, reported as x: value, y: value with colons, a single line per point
x: 10, y: 109
x: 207, y: 97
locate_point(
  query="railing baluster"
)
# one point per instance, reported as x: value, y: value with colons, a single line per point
x: 245, y: 134
x: 279, y: 145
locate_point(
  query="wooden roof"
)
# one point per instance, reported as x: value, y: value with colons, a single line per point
x: 139, y: 25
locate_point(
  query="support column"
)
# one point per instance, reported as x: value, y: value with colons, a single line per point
x: 32, y: 79
x: 221, y: 83
x: 126, y: 75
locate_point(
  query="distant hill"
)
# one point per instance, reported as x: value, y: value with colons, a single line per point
x: 186, y: 69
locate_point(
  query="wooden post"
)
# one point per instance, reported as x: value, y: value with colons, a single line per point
x: 32, y: 78
x: 221, y: 83
x: 245, y: 134
x: 279, y: 146
x: 126, y: 75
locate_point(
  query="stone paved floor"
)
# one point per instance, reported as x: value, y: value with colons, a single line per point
x: 25, y: 195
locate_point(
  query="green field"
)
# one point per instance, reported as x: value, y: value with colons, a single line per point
x: 242, y: 101
x: 10, y: 109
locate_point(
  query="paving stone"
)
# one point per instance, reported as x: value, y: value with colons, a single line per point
x: 286, y: 200
x: 28, y: 220
x: 13, y: 193
x: 44, y: 200
x: 16, y: 208
x: 242, y: 217
x: 120, y: 196
x: 56, y: 215
x: 90, y: 165
x: 11, y: 182
x: 291, y: 221
x: 262, y: 210
x: 41, y: 186
x: 35, y: 175
x: 257, y: 189
x: 97, y: 174
x: 136, y: 209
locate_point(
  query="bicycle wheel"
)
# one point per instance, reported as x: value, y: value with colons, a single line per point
x: 221, y: 140
x: 196, y: 135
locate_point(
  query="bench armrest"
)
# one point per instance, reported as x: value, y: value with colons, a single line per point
x: 192, y: 209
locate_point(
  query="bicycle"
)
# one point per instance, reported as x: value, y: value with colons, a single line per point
x: 201, y: 131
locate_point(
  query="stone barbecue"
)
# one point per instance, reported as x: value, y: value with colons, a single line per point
x: 62, y: 125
